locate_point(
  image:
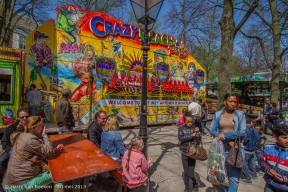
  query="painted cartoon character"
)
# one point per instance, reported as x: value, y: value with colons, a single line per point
x: 121, y: 116
x: 42, y: 56
x: 80, y: 68
x: 67, y: 19
x: 191, y: 77
x: 117, y: 47
x: 7, y: 117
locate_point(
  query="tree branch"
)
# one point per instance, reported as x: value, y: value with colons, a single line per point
x: 263, y: 19
x: 261, y: 45
x: 246, y: 16
x: 283, y: 13
x: 283, y: 51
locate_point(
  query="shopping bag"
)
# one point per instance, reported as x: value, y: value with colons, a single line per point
x: 216, y: 170
x: 234, y: 156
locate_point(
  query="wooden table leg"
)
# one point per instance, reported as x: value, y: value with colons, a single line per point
x: 76, y: 185
x: 85, y: 184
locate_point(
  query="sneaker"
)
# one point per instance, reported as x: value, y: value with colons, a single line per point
x: 260, y: 172
x: 245, y: 181
x: 254, y: 177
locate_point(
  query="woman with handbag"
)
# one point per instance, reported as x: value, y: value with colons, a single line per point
x: 226, y: 125
x: 187, y: 134
x: 26, y: 171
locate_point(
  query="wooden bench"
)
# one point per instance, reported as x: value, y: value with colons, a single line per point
x: 117, y: 174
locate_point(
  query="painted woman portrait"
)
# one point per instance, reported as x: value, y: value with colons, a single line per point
x: 81, y: 67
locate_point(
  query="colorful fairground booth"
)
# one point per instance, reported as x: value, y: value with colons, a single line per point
x: 84, y: 45
x: 10, y: 85
x: 251, y: 90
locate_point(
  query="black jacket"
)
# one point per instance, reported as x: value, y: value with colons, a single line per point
x: 6, y: 143
x: 185, y: 137
x: 94, y: 133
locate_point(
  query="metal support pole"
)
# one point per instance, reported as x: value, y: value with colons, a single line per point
x: 143, y: 114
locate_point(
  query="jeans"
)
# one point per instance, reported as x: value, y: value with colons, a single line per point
x: 249, y: 167
x: 203, y: 125
x: 234, y: 174
x: 4, y: 158
x: 270, y: 125
x: 35, y: 183
x: 189, y: 170
x: 33, y: 110
x: 257, y: 158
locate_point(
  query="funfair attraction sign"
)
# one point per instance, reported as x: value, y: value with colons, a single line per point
x: 101, y: 27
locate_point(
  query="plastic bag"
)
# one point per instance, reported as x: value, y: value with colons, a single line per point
x: 216, y: 170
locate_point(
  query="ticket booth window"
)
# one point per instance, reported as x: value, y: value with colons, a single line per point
x: 6, y: 85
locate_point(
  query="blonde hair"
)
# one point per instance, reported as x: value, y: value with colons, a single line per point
x: 134, y: 144
x: 111, y: 124
x: 32, y: 122
x: 14, y: 136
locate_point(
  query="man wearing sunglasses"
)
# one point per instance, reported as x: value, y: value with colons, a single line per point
x: 95, y: 129
x: 22, y: 114
x: 64, y: 115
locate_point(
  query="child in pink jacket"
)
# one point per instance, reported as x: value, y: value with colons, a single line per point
x: 134, y: 163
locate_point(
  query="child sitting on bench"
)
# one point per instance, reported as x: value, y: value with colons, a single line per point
x: 134, y: 163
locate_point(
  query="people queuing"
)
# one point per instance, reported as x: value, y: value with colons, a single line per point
x: 64, y: 113
x: 180, y: 121
x: 250, y: 140
x: 187, y: 134
x: 34, y: 98
x: 273, y: 116
x: 22, y: 115
x: 111, y: 139
x: 225, y: 126
x: 204, y: 117
x: 195, y: 109
x: 26, y: 170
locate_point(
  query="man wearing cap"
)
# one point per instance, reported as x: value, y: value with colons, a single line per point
x: 42, y: 56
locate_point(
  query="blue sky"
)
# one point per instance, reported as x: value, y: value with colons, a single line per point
x: 165, y: 7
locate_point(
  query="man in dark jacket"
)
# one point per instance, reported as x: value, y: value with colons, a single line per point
x: 96, y: 128
x: 6, y: 143
x: 64, y: 115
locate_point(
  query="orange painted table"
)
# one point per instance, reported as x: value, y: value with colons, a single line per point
x: 80, y: 159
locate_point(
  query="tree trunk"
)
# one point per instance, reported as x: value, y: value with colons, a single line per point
x: 227, y: 39
x: 277, y: 52
x: 6, y: 17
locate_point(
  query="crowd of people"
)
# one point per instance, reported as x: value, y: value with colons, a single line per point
x: 229, y: 124
x: 26, y: 145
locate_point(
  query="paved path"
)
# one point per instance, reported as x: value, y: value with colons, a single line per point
x: 166, y: 171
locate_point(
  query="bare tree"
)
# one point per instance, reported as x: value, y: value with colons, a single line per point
x: 252, y: 58
x: 105, y: 6
x: 185, y: 16
x: 274, y: 16
x: 208, y: 50
x: 228, y: 33
x: 13, y: 10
